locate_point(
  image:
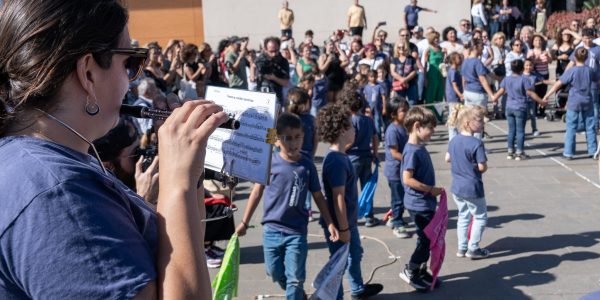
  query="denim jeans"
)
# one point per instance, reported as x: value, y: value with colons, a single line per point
x: 466, y: 208
x: 411, y: 94
x: 421, y: 219
x: 573, y: 118
x: 595, y: 100
x: 397, y: 203
x: 362, y: 168
x: 379, y: 124
x: 481, y: 99
x: 516, y: 126
x: 285, y: 260
x: 353, y: 271
x: 420, y: 85
x: 532, y: 114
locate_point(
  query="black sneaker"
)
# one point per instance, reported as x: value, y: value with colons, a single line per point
x: 371, y: 222
x: 427, y: 277
x: 478, y: 253
x: 412, y: 277
x: 369, y: 290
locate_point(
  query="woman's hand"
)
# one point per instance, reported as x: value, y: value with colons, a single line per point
x: 183, y: 139
x: 146, y: 182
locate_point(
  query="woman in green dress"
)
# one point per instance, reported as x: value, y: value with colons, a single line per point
x: 434, y: 90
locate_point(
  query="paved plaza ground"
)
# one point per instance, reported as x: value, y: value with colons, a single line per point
x: 543, y: 229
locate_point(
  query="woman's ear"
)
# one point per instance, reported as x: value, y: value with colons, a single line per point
x: 86, y: 68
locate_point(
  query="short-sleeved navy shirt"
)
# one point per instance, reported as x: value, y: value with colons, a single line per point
x: 417, y: 159
x: 319, y: 97
x: 580, y: 79
x: 453, y: 77
x: 373, y: 94
x: 412, y: 15
x: 338, y: 171
x: 285, y: 198
x: 465, y: 153
x: 395, y: 136
x: 364, y: 130
x: 516, y: 87
x: 593, y: 62
x: 67, y: 230
x: 471, y: 69
x: 308, y: 123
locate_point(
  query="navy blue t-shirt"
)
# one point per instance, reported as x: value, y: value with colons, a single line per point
x: 453, y: 77
x: 412, y: 15
x: 593, y: 61
x: 338, y: 171
x: 319, y: 97
x: 416, y: 158
x: 373, y: 94
x: 67, y: 230
x: 516, y: 87
x: 465, y: 153
x: 308, y: 123
x: 285, y: 198
x: 471, y: 69
x: 395, y: 136
x: 364, y: 130
x: 580, y: 79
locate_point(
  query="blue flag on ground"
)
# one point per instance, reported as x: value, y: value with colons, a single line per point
x: 365, y: 202
x: 329, y: 279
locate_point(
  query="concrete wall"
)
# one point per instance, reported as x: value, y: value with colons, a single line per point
x: 258, y: 18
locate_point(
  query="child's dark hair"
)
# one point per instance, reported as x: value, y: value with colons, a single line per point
x: 332, y: 121
x: 372, y: 73
x: 454, y: 58
x: 397, y: 104
x: 517, y: 66
x: 298, y: 101
x: 351, y: 98
x: 423, y: 116
x: 588, y: 32
x: 288, y: 120
x: 307, y: 76
x: 581, y: 54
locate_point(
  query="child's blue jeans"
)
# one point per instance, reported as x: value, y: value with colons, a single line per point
x: 421, y: 219
x: 379, y: 124
x: 574, y: 118
x: 285, y: 260
x: 532, y: 114
x: 466, y: 208
x: 362, y: 169
x: 516, y: 128
x: 397, y: 203
x: 353, y: 271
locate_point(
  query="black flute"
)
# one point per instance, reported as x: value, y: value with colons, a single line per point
x: 157, y: 114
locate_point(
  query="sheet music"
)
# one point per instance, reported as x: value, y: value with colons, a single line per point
x: 243, y: 153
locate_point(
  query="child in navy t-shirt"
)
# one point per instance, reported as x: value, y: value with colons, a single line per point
x: 468, y: 161
x: 395, y: 139
x: 519, y: 90
x: 375, y: 95
x: 580, y: 107
x: 285, y: 219
x: 363, y: 151
x: 454, y: 89
x: 420, y: 192
x: 341, y: 193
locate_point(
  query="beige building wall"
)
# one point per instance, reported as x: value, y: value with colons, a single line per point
x: 258, y: 18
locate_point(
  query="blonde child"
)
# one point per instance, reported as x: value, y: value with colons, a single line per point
x: 464, y: 152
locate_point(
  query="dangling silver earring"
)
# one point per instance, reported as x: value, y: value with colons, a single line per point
x: 91, y: 109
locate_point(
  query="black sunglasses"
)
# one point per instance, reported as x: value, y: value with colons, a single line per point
x: 135, y: 62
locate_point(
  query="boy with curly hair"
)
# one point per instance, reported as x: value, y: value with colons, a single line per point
x: 341, y: 194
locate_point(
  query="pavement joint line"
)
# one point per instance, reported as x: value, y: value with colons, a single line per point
x: 595, y: 184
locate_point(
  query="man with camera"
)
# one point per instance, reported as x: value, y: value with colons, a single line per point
x: 273, y: 69
x: 236, y: 62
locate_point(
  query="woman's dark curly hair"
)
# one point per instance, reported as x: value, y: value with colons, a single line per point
x: 332, y: 121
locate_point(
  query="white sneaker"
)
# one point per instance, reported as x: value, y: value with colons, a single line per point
x: 536, y: 133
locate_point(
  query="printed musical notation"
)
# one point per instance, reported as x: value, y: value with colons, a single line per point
x: 243, y: 153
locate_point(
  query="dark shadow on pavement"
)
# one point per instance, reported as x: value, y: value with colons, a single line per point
x: 516, y: 245
x: 497, y: 221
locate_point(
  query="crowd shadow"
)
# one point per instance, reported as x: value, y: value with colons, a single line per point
x: 517, y: 245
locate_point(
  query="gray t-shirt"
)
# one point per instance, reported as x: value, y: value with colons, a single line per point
x: 238, y: 78
x: 67, y: 230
